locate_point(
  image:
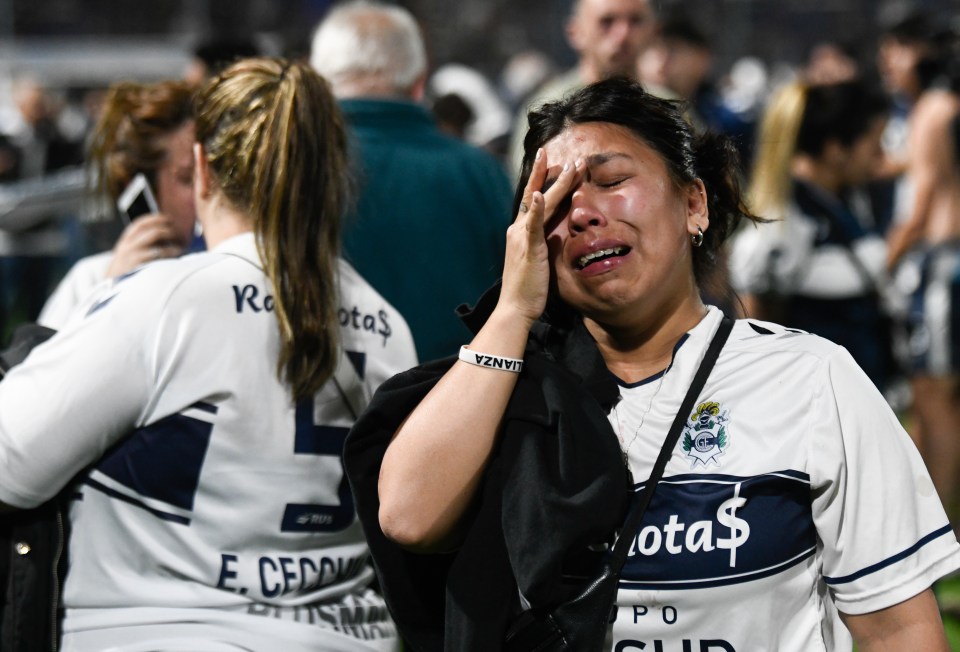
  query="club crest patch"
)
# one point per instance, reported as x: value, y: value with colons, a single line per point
x: 705, y: 434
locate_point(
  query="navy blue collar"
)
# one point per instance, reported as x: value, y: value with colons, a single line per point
x: 659, y: 374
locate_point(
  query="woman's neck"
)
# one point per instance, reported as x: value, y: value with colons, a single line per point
x: 221, y: 221
x: 639, y: 349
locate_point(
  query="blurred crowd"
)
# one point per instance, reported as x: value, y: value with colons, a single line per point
x: 849, y: 153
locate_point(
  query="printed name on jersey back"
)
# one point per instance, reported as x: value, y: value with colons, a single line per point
x: 253, y: 298
x: 365, y: 622
x: 366, y: 319
x: 729, y: 530
x: 276, y: 576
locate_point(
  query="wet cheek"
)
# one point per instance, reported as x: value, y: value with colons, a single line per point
x: 622, y: 208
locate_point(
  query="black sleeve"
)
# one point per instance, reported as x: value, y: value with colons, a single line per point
x: 412, y: 584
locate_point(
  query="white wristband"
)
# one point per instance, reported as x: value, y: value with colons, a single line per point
x: 491, y: 361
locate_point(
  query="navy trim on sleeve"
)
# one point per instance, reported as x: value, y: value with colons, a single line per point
x: 833, y: 581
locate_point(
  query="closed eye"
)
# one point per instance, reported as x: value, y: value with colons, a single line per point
x: 611, y: 183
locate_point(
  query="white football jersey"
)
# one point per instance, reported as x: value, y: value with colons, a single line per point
x: 789, y: 257
x: 85, y: 275
x: 226, y: 514
x: 792, y: 494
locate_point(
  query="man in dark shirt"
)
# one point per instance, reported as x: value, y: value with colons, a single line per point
x: 429, y: 227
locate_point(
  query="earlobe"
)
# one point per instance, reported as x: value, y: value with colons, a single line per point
x: 698, y: 212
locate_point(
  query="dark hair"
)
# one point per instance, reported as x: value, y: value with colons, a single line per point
x: 660, y: 124
x: 452, y: 113
x: 914, y: 28
x: 276, y: 144
x: 220, y: 53
x: 851, y: 47
x: 843, y: 112
x: 680, y: 28
x: 941, y: 65
x: 936, y: 40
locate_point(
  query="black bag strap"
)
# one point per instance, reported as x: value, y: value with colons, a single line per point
x: 622, y: 546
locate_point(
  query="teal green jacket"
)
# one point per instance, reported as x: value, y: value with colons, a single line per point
x: 429, y: 227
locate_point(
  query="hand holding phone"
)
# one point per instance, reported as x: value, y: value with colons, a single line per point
x: 147, y: 238
x: 137, y: 199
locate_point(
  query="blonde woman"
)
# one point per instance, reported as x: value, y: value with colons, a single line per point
x: 819, y: 266
x: 202, y: 403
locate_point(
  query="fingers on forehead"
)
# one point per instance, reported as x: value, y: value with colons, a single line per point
x: 565, y: 175
x: 537, y: 171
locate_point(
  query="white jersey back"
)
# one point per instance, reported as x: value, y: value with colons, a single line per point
x: 793, y: 493
x: 227, y: 499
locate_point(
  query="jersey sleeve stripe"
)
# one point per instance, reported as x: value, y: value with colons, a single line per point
x: 833, y: 581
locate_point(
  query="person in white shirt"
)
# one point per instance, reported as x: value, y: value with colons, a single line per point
x: 201, y: 403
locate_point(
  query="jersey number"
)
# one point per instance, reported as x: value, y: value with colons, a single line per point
x: 311, y: 439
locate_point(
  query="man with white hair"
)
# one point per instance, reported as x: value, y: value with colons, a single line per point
x: 429, y: 225
x: 608, y: 37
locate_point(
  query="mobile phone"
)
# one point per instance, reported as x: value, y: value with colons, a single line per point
x: 137, y: 199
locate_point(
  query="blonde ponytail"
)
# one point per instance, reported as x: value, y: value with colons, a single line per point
x: 276, y: 144
x: 770, y: 185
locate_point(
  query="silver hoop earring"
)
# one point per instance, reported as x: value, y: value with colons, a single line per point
x: 697, y: 240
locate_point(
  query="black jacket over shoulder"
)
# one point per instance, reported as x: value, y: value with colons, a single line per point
x: 33, y: 561
x: 555, y: 485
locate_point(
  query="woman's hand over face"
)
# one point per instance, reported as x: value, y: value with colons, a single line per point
x: 526, y: 273
x: 146, y: 238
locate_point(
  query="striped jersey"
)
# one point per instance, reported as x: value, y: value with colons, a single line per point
x: 793, y: 494
x: 210, y: 506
